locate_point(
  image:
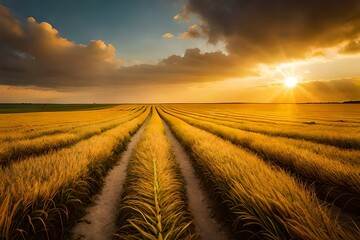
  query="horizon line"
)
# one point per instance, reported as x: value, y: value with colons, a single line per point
x: 141, y: 103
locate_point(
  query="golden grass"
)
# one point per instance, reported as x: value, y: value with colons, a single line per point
x: 348, y: 137
x: 153, y: 204
x: 65, y: 156
x: 343, y: 177
x: 347, y: 156
x: 40, y: 195
x: 15, y: 150
x: 63, y: 125
x: 253, y: 193
x: 287, y: 114
x: 26, y: 121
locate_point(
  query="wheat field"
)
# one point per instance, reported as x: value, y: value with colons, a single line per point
x: 267, y: 171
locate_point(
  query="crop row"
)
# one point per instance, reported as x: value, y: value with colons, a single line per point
x: 341, y: 181
x: 252, y: 195
x: 329, y: 136
x: 38, y: 120
x: 327, y: 115
x: 347, y: 156
x: 291, y: 119
x: 153, y: 204
x: 30, y: 132
x: 41, y: 196
x: 15, y: 150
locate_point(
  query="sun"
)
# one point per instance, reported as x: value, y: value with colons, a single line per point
x: 291, y: 82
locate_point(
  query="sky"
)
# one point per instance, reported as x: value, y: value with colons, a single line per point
x: 141, y: 51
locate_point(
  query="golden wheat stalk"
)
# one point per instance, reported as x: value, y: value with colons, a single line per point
x: 326, y: 134
x: 153, y: 204
x: 343, y: 177
x: 252, y: 194
x: 41, y: 194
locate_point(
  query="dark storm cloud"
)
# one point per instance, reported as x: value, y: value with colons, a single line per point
x: 277, y: 30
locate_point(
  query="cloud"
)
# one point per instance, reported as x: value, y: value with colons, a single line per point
x: 352, y: 47
x: 341, y: 89
x: 183, y: 16
x: 193, y: 66
x: 193, y: 32
x: 35, y: 52
x: 331, y: 90
x: 280, y: 30
x: 10, y: 27
x: 167, y: 35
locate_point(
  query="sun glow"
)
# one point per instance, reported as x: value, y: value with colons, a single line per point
x: 288, y: 74
x: 291, y: 82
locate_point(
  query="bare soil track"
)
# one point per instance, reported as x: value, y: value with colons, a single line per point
x: 206, y: 226
x: 99, y: 223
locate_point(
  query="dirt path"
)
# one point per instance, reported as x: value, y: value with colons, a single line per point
x: 99, y: 223
x: 205, y: 225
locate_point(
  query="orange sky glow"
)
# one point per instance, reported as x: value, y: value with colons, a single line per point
x: 289, y: 52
